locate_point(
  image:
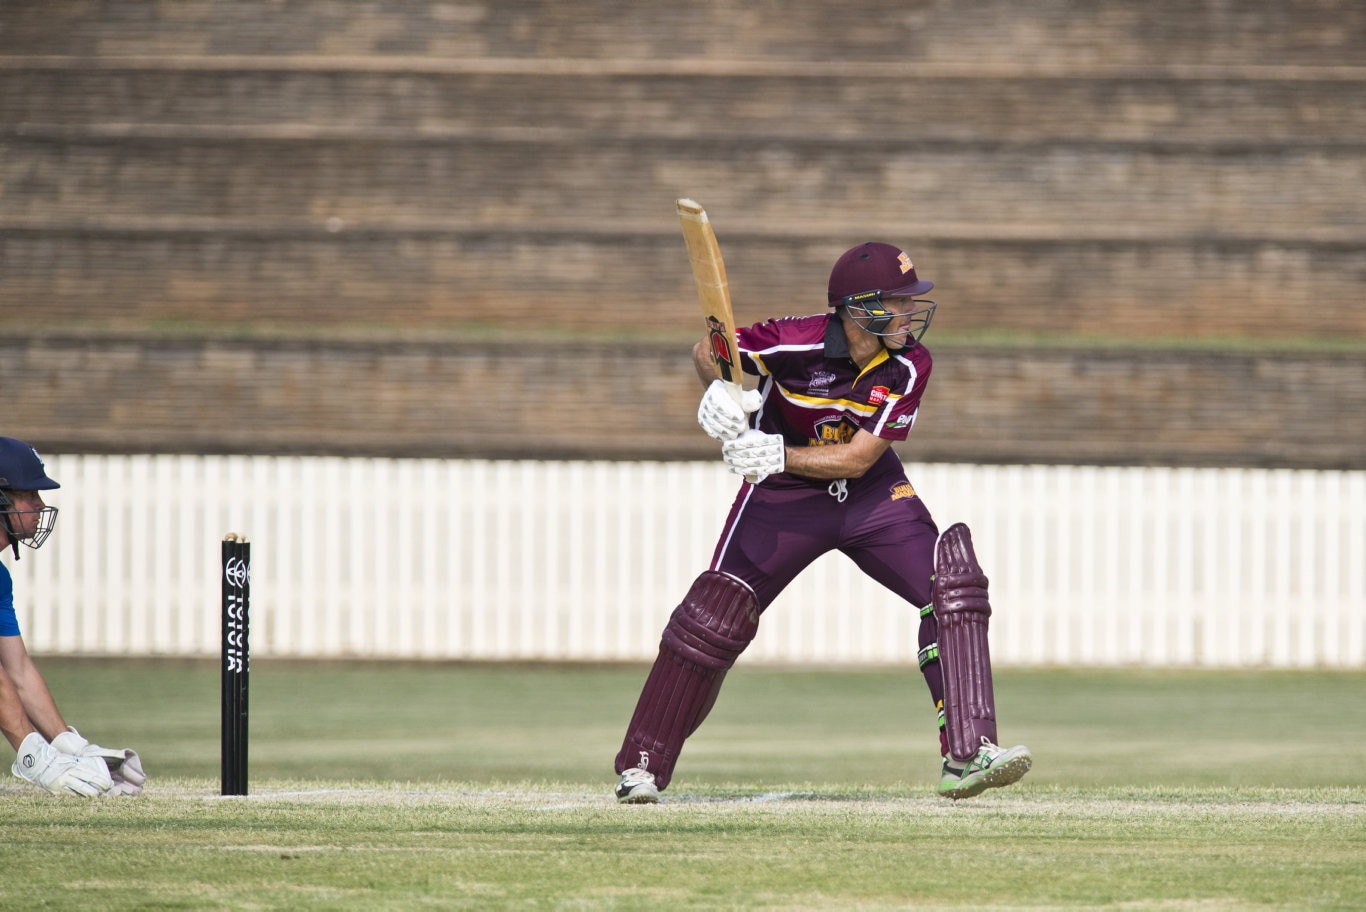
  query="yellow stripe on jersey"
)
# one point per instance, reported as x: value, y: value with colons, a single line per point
x: 758, y: 360
x: 881, y: 356
x: 818, y: 402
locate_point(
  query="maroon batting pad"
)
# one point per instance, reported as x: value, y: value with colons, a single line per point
x: 960, y: 603
x: 705, y: 635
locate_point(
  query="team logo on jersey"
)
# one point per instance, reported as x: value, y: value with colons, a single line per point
x: 901, y: 421
x: 902, y: 490
x: 832, y: 430
x: 878, y: 395
x: 820, y: 383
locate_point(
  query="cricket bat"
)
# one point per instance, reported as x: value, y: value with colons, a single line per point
x: 713, y: 292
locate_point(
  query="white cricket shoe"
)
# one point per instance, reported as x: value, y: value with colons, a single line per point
x: 637, y: 787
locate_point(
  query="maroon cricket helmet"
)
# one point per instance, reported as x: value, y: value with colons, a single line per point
x: 875, y: 267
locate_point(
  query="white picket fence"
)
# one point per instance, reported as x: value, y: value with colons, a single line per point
x: 527, y: 560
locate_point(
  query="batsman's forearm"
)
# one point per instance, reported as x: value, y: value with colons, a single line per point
x: 703, y: 363
x: 838, y: 460
x: 817, y: 462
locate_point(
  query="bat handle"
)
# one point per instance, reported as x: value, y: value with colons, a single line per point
x: 738, y: 389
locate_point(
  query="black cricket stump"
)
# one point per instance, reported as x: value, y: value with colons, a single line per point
x: 236, y: 661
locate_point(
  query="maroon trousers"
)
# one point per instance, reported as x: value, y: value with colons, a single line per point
x: 773, y: 532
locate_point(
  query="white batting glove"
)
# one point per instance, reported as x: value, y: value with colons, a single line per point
x: 755, y: 455
x: 124, y: 765
x: 724, y: 411
x: 59, y: 773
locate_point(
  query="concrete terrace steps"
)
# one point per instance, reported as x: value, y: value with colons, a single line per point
x: 558, y: 100
x: 1156, y: 168
x: 1132, y: 199
x: 71, y: 392
x: 372, y: 186
x: 1069, y: 32
x: 1095, y: 190
x: 631, y: 283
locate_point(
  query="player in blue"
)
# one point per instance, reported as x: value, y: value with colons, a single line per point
x: 50, y: 754
x: 814, y: 441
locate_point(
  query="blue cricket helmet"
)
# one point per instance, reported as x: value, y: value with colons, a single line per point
x: 21, y: 468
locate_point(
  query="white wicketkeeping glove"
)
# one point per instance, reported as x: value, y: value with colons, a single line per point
x: 125, y: 766
x: 755, y: 455
x: 724, y: 411
x: 59, y: 773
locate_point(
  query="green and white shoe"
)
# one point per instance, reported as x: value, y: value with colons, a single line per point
x: 990, y: 767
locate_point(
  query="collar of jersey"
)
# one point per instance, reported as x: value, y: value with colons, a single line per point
x: 837, y: 346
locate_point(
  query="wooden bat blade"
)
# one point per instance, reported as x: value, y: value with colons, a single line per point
x: 713, y: 291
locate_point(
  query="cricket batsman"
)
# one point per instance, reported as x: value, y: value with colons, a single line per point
x: 50, y: 754
x: 835, y: 391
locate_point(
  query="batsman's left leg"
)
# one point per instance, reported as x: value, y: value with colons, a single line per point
x: 705, y: 635
x: 974, y: 761
x: 895, y: 547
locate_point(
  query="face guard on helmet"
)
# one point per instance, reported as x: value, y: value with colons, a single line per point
x: 13, y: 518
x: 865, y: 278
x: 21, y: 469
x: 870, y: 311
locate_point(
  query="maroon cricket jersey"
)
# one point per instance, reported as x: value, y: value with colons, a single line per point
x: 814, y: 393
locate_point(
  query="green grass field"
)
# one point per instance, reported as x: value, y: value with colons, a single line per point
x: 388, y: 786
